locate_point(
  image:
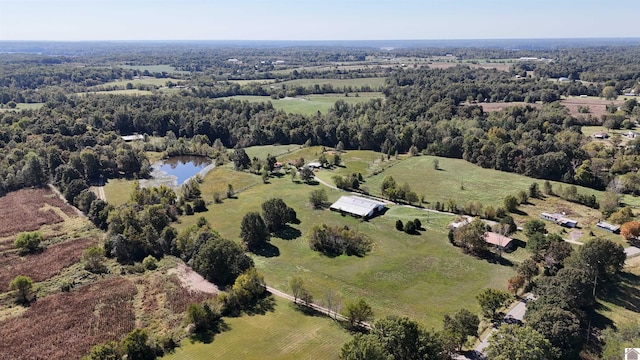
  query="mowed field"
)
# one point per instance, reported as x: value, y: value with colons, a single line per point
x: 285, y: 333
x: 487, y: 186
x: 310, y: 104
x: 146, y: 80
x: 24, y: 106
x: 421, y: 276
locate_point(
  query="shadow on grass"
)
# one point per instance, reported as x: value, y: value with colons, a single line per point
x: 265, y: 304
x: 626, y: 293
x: 207, y: 336
x: 288, y: 233
x: 520, y: 212
x: 267, y: 250
x: 598, y: 320
x: 306, y: 310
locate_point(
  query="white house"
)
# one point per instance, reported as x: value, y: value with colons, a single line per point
x: 559, y: 219
x: 358, y: 206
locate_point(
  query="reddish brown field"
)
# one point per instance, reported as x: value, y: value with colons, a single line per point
x: 21, y: 210
x: 43, y: 265
x: 166, y: 299
x: 597, y: 107
x: 67, y: 325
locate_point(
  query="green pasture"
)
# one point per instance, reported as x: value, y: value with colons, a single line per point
x: 145, y: 81
x: 421, y: 276
x: 459, y: 180
x: 310, y: 104
x: 285, y: 333
x: 247, y: 82
x: 118, y: 191
x: 118, y: 92
x: 24, y: 106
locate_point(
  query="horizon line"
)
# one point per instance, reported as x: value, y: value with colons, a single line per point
x: 320, y: 40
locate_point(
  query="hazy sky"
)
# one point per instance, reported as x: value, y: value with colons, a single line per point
x: 315, y: 19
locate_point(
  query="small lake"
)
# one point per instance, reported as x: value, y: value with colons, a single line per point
x: 180, y: 167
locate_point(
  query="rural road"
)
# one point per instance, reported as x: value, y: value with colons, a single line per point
x: 315, y: 307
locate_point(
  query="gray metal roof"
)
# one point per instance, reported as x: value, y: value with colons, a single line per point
x: 356, y: 205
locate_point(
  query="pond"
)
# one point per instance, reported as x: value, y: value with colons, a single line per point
x: 176, y: 170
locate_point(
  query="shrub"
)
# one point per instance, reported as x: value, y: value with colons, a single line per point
x: 417, y: 223
x: 150, y: 263
x: 399, y: 225
x: 188, y: 210
x: 335, y: 240
x: 22, y: 285
x: 199, y: 205
x: 409, y: 227
x: 28, y: 241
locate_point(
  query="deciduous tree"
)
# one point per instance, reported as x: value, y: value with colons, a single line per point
x: 253, y: 230
x: 358, y: 311
x: 461, y: 325
x: 22, y: 285
x: 318, y: 198
x: 515, y: 342
x: 492, y: 300
x: 276, y: 214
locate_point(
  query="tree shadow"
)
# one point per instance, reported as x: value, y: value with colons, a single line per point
x: 493, y: 258
x: 206, y: 337
x: 306, y: 310
x: 288, y: 233
x: 597, y: 319
x: 265, y: 304
x: 625, y: 294
x: 267, y: 250
x: 312, y: 182
x: 520, y: 212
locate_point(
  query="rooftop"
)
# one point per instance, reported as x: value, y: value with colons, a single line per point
x: 356, y: 205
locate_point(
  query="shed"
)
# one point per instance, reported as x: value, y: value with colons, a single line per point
x: 358, y: 206
x: 497, y: 239
x: 608, y: 227
x: 132, y: 137
x: 314, y: 165
x: 559, y: 219
x: 601, y: 135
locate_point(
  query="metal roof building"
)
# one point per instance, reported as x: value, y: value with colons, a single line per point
x: 358, y: 206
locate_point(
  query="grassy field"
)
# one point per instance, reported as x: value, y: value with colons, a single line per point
x: 623, y: 305
x: 374, y: 82
x: 421, y: 276
x: 118, y: 191
x: 487, y: 186
x: 310, y: 104
x: 24, y: 106
x: 285, y: 333
x: 119, y: 92
x: 144, y: 81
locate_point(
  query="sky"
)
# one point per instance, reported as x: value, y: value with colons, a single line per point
x: 78, y: 20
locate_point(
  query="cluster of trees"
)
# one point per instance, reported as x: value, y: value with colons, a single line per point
x: 397, y: 192
x: 337, y: 240
x: 410, y: 227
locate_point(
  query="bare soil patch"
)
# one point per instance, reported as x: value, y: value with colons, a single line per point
x: 597, y: 107
x: 192, y: 280
x: 25, y: 210
x: 67, y: 325
x: 44, y: 265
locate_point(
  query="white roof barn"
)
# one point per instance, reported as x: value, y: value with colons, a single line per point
x: 358, y: 206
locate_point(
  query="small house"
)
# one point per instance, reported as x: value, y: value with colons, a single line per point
x: 603, y: 225
x: 498, y: 240
x: 601, y: 135
x: 358, y: 206
x: 314, y: 165
x: 559, y: 219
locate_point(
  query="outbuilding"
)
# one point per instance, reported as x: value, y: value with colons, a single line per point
x: 559, y: 219
x: 358, y: 206
x: 498, y: 240
x: 608, y: 227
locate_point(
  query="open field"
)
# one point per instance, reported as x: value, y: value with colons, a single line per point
x: 42, y: 265
x: 421, y: 276
x: 373, y: 82
x: 597, y: 106
x: 247, y: 82
x: 310, y: 104
x: 479, y: 65
x: 118, y: 191
x: 365, y: 162
x: 486, y: 186
x: 68, y: 324
x: 118, y: 92
x: 29, y: 209
x: 146, y: 80
x: 285, y: 333
x: 24, y: 106
x: 218, y: 179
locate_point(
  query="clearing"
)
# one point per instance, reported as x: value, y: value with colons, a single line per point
x: 310, y: 104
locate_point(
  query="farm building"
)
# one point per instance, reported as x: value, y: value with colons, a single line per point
x: 132, y: 137
x: 608, y: 227
x: 496, y: 239
x: 559, y: 219
x: 460, y: 222
x: 358, y: 206
x: 314, y: 165
x: 601, y: 135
